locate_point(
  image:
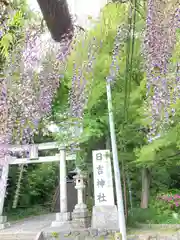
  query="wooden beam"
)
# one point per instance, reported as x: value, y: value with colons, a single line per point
x: 41, y: 159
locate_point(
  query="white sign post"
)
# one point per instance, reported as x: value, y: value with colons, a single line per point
x: 103, y: 184
x: 104, y: 212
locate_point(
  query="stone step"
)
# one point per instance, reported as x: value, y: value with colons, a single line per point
x: 18, y: 236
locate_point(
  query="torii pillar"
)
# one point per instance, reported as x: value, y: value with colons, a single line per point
x: 63, y: 217
x: 3, y: 185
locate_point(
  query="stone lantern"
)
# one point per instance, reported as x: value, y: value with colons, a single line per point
x: 80, y: 217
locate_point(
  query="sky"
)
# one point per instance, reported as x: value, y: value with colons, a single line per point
x: 80, y: 8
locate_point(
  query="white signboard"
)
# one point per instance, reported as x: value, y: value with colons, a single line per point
x: 103, y: 184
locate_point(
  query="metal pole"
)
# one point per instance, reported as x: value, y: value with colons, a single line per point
x: 121, y: 217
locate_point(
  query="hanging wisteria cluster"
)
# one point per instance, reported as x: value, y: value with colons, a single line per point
x: 80, y: 90
x: 78, y: 94
x: 119, y: 41
x: 162, y: 22
x: 32, y: 78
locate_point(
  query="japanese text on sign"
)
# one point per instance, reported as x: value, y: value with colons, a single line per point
x: 103, y: 184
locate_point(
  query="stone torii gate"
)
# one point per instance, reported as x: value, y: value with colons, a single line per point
x: 61, y: 157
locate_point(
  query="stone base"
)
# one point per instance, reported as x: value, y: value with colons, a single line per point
x: 3, y: 222
x: 62, y: 220
x: 81, y: 206
x: 79, y: 213
x: 81, y: 223
x: 80, y: 218
x: 105, y: 217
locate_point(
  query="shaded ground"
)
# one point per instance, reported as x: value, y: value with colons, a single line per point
x: 34, y: 224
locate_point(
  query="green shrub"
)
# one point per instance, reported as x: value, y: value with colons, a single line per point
x: 152, y: 215
x: 21, y: 213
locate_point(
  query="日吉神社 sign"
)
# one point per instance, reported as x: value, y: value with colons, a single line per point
x: 104, y: 213
x: 103, y: 184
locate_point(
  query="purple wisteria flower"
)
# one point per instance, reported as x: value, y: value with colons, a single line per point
x: 79, y: 93
x: 80, y: 90
x: 118, y: 46
x: 33, y: 78
x: 159, y: 44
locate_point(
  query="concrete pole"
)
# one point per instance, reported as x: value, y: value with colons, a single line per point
x: 63, y: 182
x: 119, y: 196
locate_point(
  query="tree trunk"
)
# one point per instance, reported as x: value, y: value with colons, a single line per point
x: 58, y: 18
x: 145, y: 188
